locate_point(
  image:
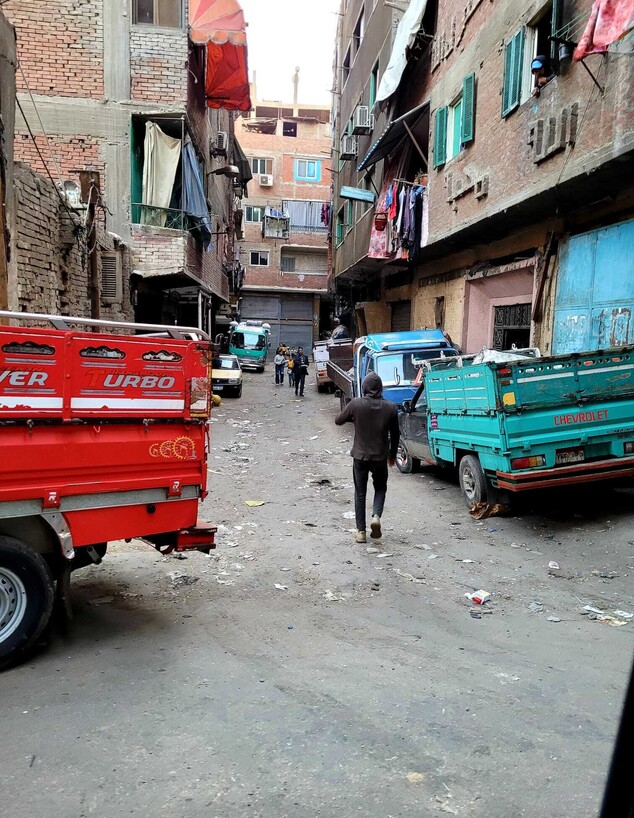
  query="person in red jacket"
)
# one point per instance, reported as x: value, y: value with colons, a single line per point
x: 376, y: 437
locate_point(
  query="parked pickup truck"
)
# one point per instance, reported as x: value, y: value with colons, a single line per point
x: 104, y: 437
x: 522, y: 424
x: 397, y: 357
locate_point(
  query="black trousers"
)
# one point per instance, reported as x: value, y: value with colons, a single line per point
x: 361, y: 471
x: 300, y: 379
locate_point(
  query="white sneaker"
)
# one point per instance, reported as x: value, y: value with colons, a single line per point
x: 375, y: 527
x: 360, y: 537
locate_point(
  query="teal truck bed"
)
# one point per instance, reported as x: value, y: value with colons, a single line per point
x: 536, y: 422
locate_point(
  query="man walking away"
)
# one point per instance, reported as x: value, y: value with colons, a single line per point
x: 376, y: 437
x: 280, y: 366
x: 300, y: 370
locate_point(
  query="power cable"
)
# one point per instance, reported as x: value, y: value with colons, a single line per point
x: 43, y: 160
x: 37, y: 113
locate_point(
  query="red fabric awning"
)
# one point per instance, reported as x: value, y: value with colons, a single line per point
x: 220, y: 25
x: 610, y: 20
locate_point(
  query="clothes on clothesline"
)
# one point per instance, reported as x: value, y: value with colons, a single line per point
x: 407, y: 228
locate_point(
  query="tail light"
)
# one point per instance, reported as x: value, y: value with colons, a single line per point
x: 629, y: 448
x: 528, y: 462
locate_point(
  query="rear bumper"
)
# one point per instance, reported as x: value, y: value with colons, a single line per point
x: 567, y: 475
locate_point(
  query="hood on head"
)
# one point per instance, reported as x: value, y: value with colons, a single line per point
x: 372, y: 385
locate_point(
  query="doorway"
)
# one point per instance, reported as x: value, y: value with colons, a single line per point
x: 512, y: 326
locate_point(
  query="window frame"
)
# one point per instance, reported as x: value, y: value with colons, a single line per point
x: 358, y: 32
x: 340, y: 227
x: 299, y: 177
x: 251, y: 208
x: 454, y: 128
x: 374, y: 85
x: 290, y: 260
x: 268, y: 165
x: 261, y: 254
x: 155, y: 14
x: 531, y: 48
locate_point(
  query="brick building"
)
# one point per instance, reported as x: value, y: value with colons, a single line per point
x: 526, y: 200
x: 96, y: 78
x: 285, y: 247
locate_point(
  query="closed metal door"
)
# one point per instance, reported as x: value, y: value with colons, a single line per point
x: 594, y: 303
x: 401, y: 316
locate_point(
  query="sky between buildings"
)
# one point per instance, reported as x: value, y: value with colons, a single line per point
x: 283, y: 34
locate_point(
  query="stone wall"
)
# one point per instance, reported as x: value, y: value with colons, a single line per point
x: 52, y: 254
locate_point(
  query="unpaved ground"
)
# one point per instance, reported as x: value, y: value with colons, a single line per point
x: 361, y: 686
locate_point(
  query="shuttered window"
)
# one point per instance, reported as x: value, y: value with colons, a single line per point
x: 512, y: 84
x: 468, y: 109
x: 110, y: 277
x: 440, y: 137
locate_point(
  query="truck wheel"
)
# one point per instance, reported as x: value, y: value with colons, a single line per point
x: 343, y: 401
x: 26, y: 599
x: 473, y: 482
x: 405, y: 463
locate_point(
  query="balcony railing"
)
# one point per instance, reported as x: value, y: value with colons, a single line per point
x: 166, y: 217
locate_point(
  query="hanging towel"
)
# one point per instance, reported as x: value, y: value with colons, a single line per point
x: 162, y: 155
x: 194, y: 199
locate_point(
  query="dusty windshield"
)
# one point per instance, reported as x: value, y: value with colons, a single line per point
x: 225, y: 363
x: 402, y: 368
x: 248, y: 340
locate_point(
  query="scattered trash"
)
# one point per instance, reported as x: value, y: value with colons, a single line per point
x: 611, y: 620
x: 480, y: 511
x: 591, y: 609
x: 467, y: 561
x: 101, y: 600
x: 479, y: 597
x: 477, y: 613
x: 181, y: 580
x: 383, y: 555
x: 372, y: 550
x: 604, y: 574
x: 409, y: 577
x: 281, y: 587
x: 285, y: 569
x: 310, y: 525
x: 376, y: 586
x: 536, y: 607
x: 554, y: 566
x: 553, y: 618
x: 624, y: 614
x: 329, y: 596
x: 423, y: 547
x: 254, y: 503
x: 432, y: 557
x: 415, y: 778
x: 348, y: 515
x: 314, y: 437
x: 290, y: 627
x: 507, y: 677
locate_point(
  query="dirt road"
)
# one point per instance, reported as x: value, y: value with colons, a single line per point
x: 297, y: 674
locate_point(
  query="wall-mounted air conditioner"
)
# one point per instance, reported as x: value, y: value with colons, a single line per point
x: 363, y: 121
x: 266, y: 180
x: 220, y: 144
x: 349, y: 147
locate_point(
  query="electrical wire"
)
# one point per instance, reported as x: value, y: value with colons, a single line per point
x: 37, y: 113
x: 43, y: 160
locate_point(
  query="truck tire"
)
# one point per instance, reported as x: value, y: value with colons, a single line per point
x: 405, y: 463
x: 343, y: 401
x: 473, y: 482
x: 26, y: 599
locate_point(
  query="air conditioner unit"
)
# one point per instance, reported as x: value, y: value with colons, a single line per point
x: 266, y: 180
x: 286, y: 234
x: 349, y: 147
x: 363, y: 122
x: 219, y: 144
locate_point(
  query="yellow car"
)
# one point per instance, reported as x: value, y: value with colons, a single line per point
x: 226, y: 375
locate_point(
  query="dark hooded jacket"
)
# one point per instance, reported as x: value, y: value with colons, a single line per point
x: 376, y: 432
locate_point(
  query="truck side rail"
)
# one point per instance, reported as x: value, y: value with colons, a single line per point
x: 62, y: 323
x: 341, y: 379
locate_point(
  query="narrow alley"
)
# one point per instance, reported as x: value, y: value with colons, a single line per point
x: 296, y: 673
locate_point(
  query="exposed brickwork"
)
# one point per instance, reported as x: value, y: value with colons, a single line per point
x: 61, y: 50
x: 71, y: 153
x: 158, y: 63
x: 312, y: 142
x: 52, y: 260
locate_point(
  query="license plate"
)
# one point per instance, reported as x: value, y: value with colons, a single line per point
x: 564, y: 456
x: 218, y: 388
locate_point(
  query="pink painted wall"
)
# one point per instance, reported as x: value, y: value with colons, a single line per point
x: 482, y: 295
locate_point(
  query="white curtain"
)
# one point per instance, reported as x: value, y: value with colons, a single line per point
x: 162, y: 154
x: 406, y: 33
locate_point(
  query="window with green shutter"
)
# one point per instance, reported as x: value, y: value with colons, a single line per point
x: 512, y: 85
x: 467, y: 128
x: 440, y: 137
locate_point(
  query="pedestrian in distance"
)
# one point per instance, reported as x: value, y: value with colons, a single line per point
x: 289, y: 365
x: 300, y: 370
x: 376, y: 437
x: 280, y: 366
